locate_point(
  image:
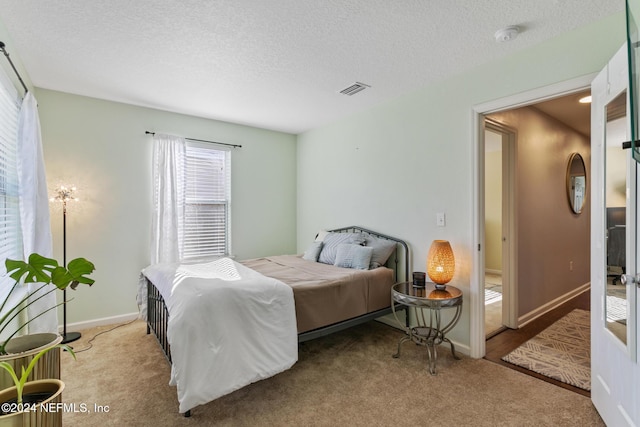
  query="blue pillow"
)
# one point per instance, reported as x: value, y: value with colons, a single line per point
x: 382, y: 250
x: 313, y: 251
x: 331, y: 242
x: 353, y: 256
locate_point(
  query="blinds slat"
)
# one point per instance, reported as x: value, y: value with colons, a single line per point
x: 207, y: 194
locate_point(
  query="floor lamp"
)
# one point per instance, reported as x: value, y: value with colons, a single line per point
x: 64, y: 195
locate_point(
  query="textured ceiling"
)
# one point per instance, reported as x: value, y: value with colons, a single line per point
x: 276, y: 64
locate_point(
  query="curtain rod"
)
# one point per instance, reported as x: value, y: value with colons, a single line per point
x: 203, y: 140
x: 2, y: 45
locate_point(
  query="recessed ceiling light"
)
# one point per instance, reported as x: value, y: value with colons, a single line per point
x: 585, y: 100
x: 507, y: 34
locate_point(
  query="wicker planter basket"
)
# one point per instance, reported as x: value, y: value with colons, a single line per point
x: 44, y: 414
x: 23, y: 349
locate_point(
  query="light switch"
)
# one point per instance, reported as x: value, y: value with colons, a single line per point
x: 440, y: 219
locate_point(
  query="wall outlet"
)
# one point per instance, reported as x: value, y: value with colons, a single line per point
x: 440, y: 219
x: 570, y: 265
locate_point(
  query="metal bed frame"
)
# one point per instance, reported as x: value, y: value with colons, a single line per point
x: 158, y: 314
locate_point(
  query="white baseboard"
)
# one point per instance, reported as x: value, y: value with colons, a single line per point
x: 105, y: 321
x: 532, y: 315
x: 460, y: 348
x: 492, y: 271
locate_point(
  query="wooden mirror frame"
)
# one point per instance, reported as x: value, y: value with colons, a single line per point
x: 575, y: 165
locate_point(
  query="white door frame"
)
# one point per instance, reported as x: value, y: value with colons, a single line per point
x: 477, y: 332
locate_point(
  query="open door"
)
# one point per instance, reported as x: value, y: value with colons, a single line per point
x: 615, y: 373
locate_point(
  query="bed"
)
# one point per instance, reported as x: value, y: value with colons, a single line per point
x: 343, y: 279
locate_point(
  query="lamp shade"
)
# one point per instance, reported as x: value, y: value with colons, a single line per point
x: 440, y: 262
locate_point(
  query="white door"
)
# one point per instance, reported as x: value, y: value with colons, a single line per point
x: 615, y: 373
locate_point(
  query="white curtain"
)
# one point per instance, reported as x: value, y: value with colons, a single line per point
x: 168, y: 199
x: 34, y: 209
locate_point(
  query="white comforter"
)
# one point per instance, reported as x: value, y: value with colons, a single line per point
x: 229, y: 326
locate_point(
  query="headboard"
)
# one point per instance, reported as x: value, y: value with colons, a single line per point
x: 398, y: 261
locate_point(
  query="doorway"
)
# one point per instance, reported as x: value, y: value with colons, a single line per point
x: 552, y: 246
x: 554, y: 267
x: 478, y: 332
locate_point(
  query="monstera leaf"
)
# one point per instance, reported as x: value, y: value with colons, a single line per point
x: 73, y: 275
x: 37, y: 270
x: 40, y: 270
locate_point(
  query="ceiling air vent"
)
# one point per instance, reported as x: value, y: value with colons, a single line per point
x: 354, y: 88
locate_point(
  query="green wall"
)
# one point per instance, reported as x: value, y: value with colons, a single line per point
x: 101, y: 147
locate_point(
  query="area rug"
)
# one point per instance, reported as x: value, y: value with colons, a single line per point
x: 561, y: 352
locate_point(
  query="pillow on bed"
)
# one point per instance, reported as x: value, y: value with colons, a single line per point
x: 353, y: 256
x: 313, y: 251
x: 321, y: 235
x: 382, y: 250
x: 331, y: 242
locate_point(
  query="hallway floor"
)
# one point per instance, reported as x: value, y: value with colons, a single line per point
x: 503, y: 343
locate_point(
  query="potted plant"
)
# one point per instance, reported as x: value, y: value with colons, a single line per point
x: 22, y: 404
x: 19, y: 351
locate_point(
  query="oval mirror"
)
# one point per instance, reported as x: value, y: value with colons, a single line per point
x: 576, y: 182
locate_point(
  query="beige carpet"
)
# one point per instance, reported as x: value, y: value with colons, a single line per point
x: 348, y: 378
x: 561, y: 351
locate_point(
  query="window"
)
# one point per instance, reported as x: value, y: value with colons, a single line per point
x: 10, y: 235
x: 206, y: 226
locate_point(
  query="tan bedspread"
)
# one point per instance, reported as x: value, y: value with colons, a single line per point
x: 325, y: 294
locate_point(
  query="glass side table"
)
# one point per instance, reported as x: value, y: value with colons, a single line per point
x: 426, y: 303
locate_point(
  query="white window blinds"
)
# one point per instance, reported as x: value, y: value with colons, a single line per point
x: 206, y: 227
x: 10, y: 238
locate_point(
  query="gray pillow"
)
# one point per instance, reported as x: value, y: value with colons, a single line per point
x: 331, y: 242
x: 313, y: 251
x: 353, y: 256
x: 382, y: 250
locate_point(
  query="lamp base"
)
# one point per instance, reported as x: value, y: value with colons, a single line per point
x: 70, y: 337
x: 440, y: 287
